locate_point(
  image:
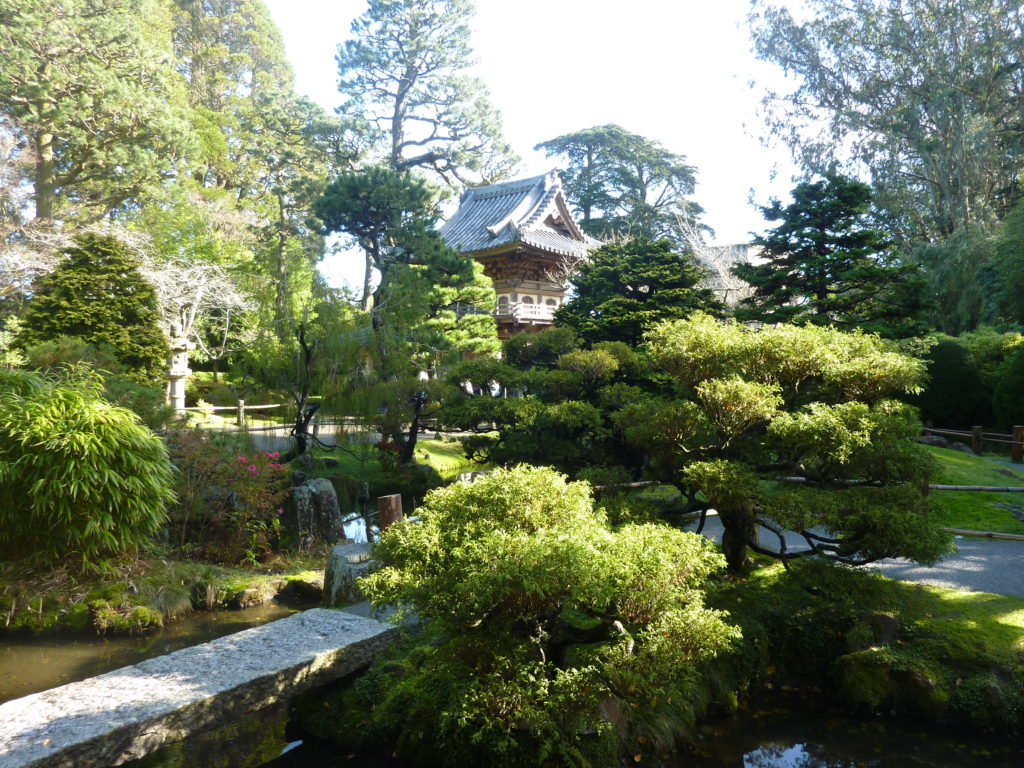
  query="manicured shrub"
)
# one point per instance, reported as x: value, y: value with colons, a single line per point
x: 98, y: 295
x: 1009, y: 394
x: 548, y: 639
x: 956, y: 396
x: 81, y: 480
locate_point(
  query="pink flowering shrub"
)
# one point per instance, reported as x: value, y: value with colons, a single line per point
x: 229, y: 505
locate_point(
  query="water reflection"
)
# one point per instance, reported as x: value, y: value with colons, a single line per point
x: 30, y: 664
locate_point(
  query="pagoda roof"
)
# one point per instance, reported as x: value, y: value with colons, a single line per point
x: 530, y: 212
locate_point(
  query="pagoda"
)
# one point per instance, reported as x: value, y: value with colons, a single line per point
x: 523, y: 234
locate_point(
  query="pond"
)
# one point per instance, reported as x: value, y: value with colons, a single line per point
x: 29, y: 664
x: 779, y: 731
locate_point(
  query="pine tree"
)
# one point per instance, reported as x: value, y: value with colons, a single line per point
x: 89, y: 89
x: 97, y: 294
x: 824, y: 265
x: 628, y: 286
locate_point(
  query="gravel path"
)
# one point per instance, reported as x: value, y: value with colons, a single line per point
x: 980, y: 565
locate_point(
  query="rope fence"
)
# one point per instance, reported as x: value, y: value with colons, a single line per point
x: 979, y: 437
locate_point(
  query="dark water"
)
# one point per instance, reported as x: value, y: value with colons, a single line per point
x: 793, y: 732
x: 779, y: 732
x: 33, y: 664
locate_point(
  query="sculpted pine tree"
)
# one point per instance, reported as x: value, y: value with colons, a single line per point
x: 98, y: 294
x: 92, y: 95
x: 791, y: 429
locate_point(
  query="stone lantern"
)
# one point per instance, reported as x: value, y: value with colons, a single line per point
x: 179, y: 370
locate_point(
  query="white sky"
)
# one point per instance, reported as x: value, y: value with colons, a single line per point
x: 676, y: 71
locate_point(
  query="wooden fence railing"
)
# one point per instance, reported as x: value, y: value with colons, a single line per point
x: 979, y: 437
x: 241, y: 410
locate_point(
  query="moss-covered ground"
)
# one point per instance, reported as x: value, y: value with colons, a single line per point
x: 142, y: 594
x: 977, y: 510
x: 882, y: 645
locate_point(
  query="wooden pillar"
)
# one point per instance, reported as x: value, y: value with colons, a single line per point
x: 390, y: 510
x: 976, y: 439
x: 1017, y: 449
x: 240, y: 419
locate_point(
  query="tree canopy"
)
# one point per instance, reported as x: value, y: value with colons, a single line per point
x: 925, y: 94
x: 88, y: 90
x: 403, y: 74
x: 623, y: 184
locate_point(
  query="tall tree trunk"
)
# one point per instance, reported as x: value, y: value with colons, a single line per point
x: 46, y: 176
x: 367, y: 281
x: 740, y: 529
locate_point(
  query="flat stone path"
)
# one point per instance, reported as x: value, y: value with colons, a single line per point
x: 979, y: 565
x: 130, y: 712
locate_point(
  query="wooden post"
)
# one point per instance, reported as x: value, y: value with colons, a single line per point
x: 1017, y: 449
x: 976, y: 433
x: 390, y: 510
x: 240, y: 420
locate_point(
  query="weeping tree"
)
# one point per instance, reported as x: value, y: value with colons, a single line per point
x: 791, y: 429
x: 431, y: 307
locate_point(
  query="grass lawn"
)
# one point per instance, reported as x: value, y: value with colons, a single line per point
x: 949, y: 652
x: 975, y: 510
x: 444, y: 455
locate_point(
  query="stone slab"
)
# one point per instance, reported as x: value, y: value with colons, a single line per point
x: 126, y: 714
x: 346, y: 564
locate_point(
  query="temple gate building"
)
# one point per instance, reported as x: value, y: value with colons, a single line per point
x: 524, y: 236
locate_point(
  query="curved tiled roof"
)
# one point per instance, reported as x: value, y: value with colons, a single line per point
x: 522, y: 211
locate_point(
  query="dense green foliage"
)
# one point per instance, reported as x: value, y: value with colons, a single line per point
x: 98, y: 295
x: 627, y: 286
x: 555, y: 639
x: 146, y: 401
x: 1008, y: 266
x: 956, y: 396
x: 81, y: 481
x: 87, y: 84
x: 824, y: 265
x: 568, y: 398
x: 1008, y: 397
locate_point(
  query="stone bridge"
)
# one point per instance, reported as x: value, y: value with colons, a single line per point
x: 127, y: 714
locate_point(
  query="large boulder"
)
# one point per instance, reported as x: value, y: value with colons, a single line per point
x: 313, y: 512
x: 327, y: 513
